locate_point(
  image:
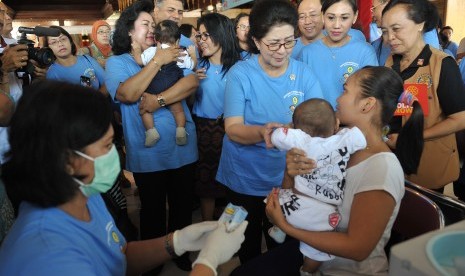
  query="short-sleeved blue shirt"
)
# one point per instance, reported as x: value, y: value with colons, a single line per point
x: 260, y: 99
x: 333, y: 65
x: 48, y: 241
x: 85, y: 66
x: 165, y: 154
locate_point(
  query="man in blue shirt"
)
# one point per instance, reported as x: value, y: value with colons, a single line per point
x: 171, y: 10
x: 310, y: 24
x: 446, y: 42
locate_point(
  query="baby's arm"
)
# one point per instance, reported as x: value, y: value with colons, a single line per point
x: 285, y: 138
x: 188, y: 59
x: 193, y: 55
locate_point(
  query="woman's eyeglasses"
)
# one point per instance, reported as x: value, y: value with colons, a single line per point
x: 243, y: 27
x: 103, y: 32
x: 202, y: 36
x: 61, y: 40
x: 276, y: 46
x: 373, y: 8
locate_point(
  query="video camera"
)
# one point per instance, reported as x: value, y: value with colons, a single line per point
x: 44, y: 56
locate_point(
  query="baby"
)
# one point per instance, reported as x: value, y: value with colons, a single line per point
x: 312, y: 203
x: 168, y: 34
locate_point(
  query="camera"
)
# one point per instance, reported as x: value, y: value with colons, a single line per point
x: 43, y: 56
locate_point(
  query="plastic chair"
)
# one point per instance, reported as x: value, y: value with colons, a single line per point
x: 417, y: 215
x: 453, y: 209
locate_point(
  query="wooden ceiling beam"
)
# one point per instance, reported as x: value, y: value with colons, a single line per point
x: 59, y: 15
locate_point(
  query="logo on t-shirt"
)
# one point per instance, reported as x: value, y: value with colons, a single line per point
x: 334, y: 219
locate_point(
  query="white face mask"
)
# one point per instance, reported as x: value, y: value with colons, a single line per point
x: 106, y: 170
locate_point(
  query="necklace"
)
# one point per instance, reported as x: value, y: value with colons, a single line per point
x: 333, y: 51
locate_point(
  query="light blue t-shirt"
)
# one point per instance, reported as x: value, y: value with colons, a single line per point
x: 354, y: 33
x: 246, y: 55
x: 333, y: 65
x: 209, y: 99
x: 48, y: 241
x: 382, y: 50
x: 297, y: 48
x: 185, y: 41
x: 452, y: 47
x: 165, y: 154
x: 85, y: 66
x: 260, y: 99
x: 431, y: 38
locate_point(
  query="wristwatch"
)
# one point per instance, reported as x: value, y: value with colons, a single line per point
x: 161, y: 100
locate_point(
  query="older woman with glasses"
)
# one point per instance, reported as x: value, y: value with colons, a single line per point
x: 261, y: 94
x: 100, y: 48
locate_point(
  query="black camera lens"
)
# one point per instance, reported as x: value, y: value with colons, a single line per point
x: 44, y: 56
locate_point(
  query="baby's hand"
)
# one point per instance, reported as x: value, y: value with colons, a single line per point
x: 201, y: 73
x: 191, y: 50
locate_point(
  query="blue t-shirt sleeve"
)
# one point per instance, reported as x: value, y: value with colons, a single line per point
x: 313, y: 85
x: 65, y: 262
x: 234, y: 97
x: 370, y: 57
x: 116, y: 73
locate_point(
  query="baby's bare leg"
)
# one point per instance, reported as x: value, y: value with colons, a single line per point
x: 310, y: 265
x: 180, y: 118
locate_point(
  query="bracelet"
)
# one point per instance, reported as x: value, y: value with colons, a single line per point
x: 9, y: 97
x: 168, y: 246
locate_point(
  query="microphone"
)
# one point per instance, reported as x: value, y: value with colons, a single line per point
x: 40, y: 31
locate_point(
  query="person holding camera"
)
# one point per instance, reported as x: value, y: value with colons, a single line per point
x: 11, y: 59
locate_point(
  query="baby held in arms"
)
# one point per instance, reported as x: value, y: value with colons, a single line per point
x: 312, y: 204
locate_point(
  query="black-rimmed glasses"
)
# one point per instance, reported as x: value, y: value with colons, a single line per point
x: 276, y: 46
x: 202, y: 36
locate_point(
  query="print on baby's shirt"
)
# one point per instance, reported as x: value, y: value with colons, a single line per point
x: 328, y: 179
